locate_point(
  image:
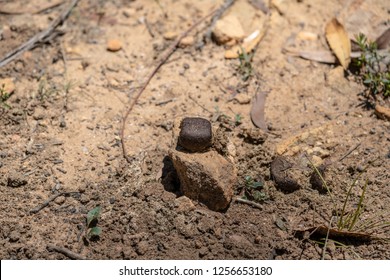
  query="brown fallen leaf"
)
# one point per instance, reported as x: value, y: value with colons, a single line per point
x: 319, y: 56
x: 383, y: 41
x: 339, y: 42
x: 257, y: 110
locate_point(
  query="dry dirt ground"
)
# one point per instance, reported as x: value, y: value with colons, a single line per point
x: 61, y: 132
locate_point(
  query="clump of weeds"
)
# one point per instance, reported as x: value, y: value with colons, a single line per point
x: 349, y: 225
x: 4, y: 95
x: 373, y: 68
x: 245, y: 68
x: 254, y: 190
x: 225, y: 120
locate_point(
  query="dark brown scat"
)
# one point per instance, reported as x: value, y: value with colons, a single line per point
x: 195, y: 134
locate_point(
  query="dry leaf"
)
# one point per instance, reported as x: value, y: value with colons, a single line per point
x: 319, y: 56
x: 383, y: 41
x: 339, y: 42
x: 257, y: 111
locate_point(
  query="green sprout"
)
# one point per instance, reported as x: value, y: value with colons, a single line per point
x: 245, y: 68
x: 253, y: 190
x: 92, y: 231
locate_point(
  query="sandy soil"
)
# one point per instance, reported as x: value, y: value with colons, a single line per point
x: 61, y: 133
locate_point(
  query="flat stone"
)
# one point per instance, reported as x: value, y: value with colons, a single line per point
x: 205, y: 177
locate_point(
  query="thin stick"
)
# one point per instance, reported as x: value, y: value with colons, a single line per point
x: 164, y: 58
x: 251, y: 203
x: 349, y: 152
x: 40, y: 37
x: 65, y: 252
x: 326, y: 239
x: 47, y: 202
x: 200, y: 105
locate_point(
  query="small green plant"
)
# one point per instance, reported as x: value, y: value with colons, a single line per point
x: 4, y: 95
x: 375, y: 75
x: 238, y: 119
x: 45, y: 89
x: 245, y: 68
x: 92, y: 231
x: 351, y: 221
x: 225, y: 119
x: 254, y: 190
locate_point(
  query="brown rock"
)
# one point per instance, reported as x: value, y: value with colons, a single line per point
x: 114, y: 45
x: 187, y: 41
x: 285, y: 175
x: 16, y: 180
x: 60, y: 200
x: 227, y: 29
x: 382, y: 112
x: 170, y: 35
x: 184, y: 204
x: 206, y: 177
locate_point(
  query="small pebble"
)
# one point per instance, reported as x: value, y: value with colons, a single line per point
x: 114, y: 45
x: 170, y: 35
x: 360, y: 168
x: 60, y: 200
x: 187, y: 41
x: 14, y: 236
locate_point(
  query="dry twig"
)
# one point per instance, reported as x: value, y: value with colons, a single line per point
x: 164, y: 58
x: 251, y: 203
x: 46, y: 203
x: 38, y: 38
x: 65, y: 252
